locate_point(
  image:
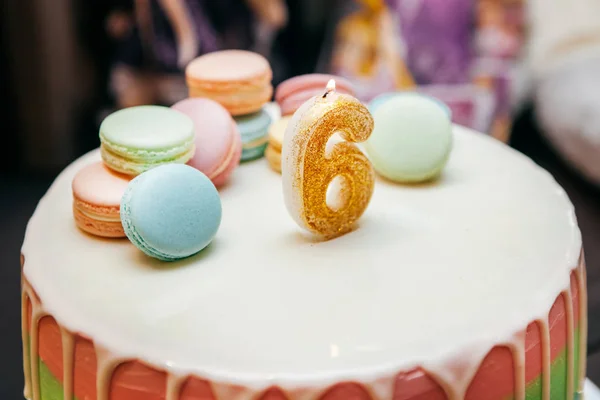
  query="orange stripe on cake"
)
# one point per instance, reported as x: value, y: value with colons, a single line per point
x: 345, y: 391
x: 274, y: 394
x: 135, y: 381
x: 195, y: 388
x: 85, y: 369
x: 50, y: 347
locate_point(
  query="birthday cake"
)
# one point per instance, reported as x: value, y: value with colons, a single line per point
x: 470, y: 285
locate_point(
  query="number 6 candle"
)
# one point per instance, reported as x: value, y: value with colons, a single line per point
x: 310, y: 164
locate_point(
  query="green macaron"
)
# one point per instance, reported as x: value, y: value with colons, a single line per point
x: 136, y: 139
x: 412, y: 139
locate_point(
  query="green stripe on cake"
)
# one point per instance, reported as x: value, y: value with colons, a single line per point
x: 558, y: 378
x: 50, y: 387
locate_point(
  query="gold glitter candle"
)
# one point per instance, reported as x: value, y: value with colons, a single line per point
x: 327, y: 186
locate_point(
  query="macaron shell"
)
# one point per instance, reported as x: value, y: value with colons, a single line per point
x: 384, y: 97
x: 97, y: 193
x: 253, y: 153
x: 132, y: 166
x: 311, y: 82
x: 239, y: 80
x: 253, y: 126
x: 109, y: 229
x: 227, y: 66
x: 291, y: 103
x: 171, y: 212
x: 98, y: 185
x: 277, y: 132
x: 412, y: 139
x: 273, y: 156
x: 238, y: 101
x: 215, y: 133
x: 231, y: 163
x: 145, y: 130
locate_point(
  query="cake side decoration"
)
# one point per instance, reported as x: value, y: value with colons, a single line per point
x: 412, y: 139
x: 310, y: 166
x: 171, y: 212
x: 454, y: 382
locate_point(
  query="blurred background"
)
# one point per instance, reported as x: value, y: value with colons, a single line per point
x: 522, y: 71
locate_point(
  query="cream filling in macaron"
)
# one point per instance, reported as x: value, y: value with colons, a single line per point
x: 255, y: 143
x: 98, y: 217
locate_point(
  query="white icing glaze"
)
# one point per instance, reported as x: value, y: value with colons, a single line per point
x: 68, y: 346
x: 568, y: 298
x: 25, y: 340
x: 544, y: 329
x: 174, y: 384
x: 518, y: 350
x: 477, y: 256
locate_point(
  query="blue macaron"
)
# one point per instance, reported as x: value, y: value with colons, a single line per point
x: 171, y: 212
x: 254, y: 130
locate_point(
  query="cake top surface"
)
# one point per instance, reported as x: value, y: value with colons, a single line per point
x: 465, y: 260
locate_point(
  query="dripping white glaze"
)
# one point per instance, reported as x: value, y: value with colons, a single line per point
x: 25, y: 340
x: 68, y: 349
x: 544, y: 329
x: 457, y: 372
x: 107, y: 362
x: 517, y: 348
x: 37, y: 313
x: 583, y: 322
x: 568, y: 299
x: 174, y: 384
x: 454, y: 378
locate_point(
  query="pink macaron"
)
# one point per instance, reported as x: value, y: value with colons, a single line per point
x: 218, y: 141
x: 292, y: 93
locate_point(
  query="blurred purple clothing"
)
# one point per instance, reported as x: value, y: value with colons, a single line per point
x: 367, y: 88
x: 437, y: 34
x: 161, y: 54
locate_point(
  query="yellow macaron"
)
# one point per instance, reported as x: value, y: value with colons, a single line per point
x: 276, y: 134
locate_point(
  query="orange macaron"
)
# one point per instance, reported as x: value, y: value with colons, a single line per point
x: 97, y: 193
x: 239, y: 80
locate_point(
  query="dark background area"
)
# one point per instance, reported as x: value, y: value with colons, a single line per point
x: 33, y: 157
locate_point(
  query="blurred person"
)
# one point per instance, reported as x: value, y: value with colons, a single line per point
x: 369, y: 51
x: 156, y: 41
x: 565, y: 63
x: 158, y: 38
x: 462, y: 52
